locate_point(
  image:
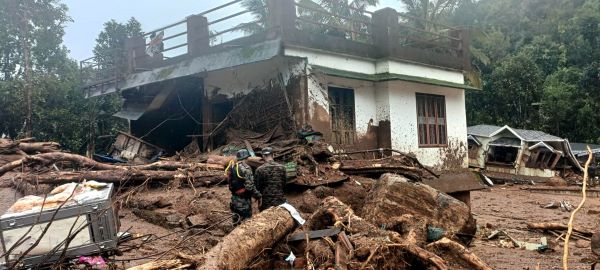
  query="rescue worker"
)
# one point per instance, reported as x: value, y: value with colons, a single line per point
x: 270, y: 180
x: 241, y: 185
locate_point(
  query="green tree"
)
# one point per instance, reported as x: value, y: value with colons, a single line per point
x: 515, y: 86
x: 110, y: 55
x: 109, y: 51
x: 31, y: 34
x: 329, y: 17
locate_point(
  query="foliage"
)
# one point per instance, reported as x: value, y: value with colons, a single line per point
x: 329, y: 17
x: 539, y: 60
x: 60, y: 112
x: 110, y: 45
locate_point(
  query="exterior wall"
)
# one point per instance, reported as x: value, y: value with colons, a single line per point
x: 369, y: 66
x: 243, y: 79
x: 481, y: 153
x: 393, y: 101
x: 403, y: 117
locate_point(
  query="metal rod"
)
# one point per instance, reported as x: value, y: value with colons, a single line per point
x: 230, y: 16
x: 164, y: 27
x: 231, y: 29
x: 175, y: 47
x: 174, y: 36
x: 219, y: 7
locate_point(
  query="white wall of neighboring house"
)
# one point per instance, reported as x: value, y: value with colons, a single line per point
x: 394, y: 101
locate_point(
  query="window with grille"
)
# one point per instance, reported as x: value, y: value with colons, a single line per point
x: 341, y: 108
x: 431, y: 120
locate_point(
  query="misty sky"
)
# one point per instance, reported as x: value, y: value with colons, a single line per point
x: 90, y: 15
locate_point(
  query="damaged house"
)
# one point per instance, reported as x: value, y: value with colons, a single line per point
x: 377, y: 80
x: 505, y: 153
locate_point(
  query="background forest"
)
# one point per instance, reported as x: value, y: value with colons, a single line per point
x: 538, y: 60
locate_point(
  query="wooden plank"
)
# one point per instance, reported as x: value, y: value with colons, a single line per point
x: 313, y: 234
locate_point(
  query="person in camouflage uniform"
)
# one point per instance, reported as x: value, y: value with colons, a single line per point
x: 270, y: 180
x: 241, y: 185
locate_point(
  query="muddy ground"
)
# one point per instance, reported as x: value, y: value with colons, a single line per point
x: 503, y: 207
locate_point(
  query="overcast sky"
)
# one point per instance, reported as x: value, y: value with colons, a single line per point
x: 89, y: 16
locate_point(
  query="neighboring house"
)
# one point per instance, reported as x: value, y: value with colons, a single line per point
x: 379, y: 84
x: 581, y: 152
x: 505, y: 153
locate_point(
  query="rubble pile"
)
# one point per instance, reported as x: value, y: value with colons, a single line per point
x: 373, y: 214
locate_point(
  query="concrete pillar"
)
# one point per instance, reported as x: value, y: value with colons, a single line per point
x: 135, y: 48
x: 197, y: 35
x: 385, y: 31
x: 281, y: 17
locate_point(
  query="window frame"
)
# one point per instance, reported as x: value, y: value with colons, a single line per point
x: 348, y: 95
x: 431, y: 102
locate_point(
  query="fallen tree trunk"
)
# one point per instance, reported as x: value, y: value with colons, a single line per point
x: 248, y: 240
x: 462, y: 252
x: 14, y: 147
x: 367, y: 236
x: 427, y: 206
x: 51, y: 158
x: 200, y: 178
x: 557, y: 227
x: 39, y: 147
x: 161, y: 265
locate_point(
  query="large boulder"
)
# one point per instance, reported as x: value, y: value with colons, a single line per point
x: 397, y: 204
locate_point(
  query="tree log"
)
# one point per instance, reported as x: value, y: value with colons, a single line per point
x: 427, y: 206
x: 162, y: 265
x: 51, y: 158
x: 461, y: 252
x: 365, y: 235
x: 557, y: 227
x: 13, y: 147
x: 39, y: 147
x: 201, y: 178
x: 248, y: 240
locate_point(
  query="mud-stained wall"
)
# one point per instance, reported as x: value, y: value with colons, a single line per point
x: 403, y: 118
x: 318, y: 103
x: 365, y: 107
x: 241, y: 80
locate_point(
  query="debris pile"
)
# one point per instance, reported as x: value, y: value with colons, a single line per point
x: 360, y: 213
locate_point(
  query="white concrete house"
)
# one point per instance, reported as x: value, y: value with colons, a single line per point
x: 381, y: 84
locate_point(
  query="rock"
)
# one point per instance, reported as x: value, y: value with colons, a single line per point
x: 199, y: 221
x: 167, y: 218
x: 557, y: 182
x: 595, y: 243
x: 593, y: 211
x: 394, y: 196
x: 322, y: 192
x: 582, y: 244
x: 310, y: 202
x: 163, y: 203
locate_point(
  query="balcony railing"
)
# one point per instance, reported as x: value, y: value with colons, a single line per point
x: 326, y: 25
